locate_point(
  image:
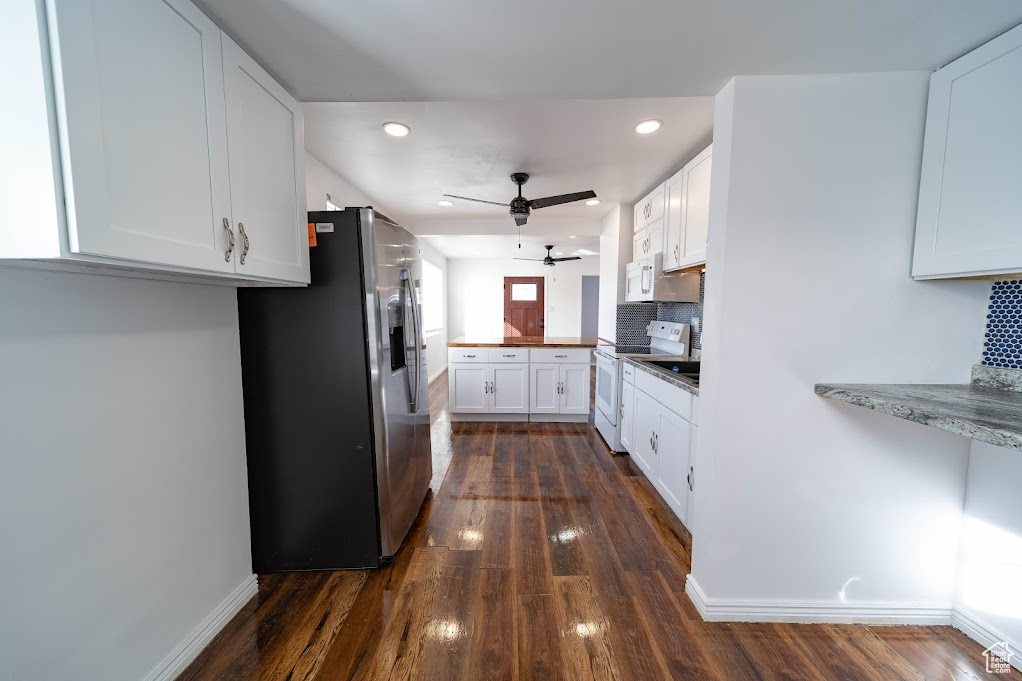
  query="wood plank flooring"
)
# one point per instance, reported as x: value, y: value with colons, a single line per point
x: 541, y: 555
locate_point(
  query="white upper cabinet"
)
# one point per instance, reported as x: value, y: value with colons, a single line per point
x: 695, y: 208
x: 650, y: 208
x: 169, y: 137
x: 969, y: 221
x: 687, y: 213
x: 264, y: 134
x: 142, y: 131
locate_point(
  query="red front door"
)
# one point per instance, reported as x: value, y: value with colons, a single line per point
x: 523, y: 306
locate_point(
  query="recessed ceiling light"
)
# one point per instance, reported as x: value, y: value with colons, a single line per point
x: 445, y: 203
x: 649, y: 126
x: 571, y: 237
x: 558, y: 253
x: 396, y: 129
x: 591, y: 202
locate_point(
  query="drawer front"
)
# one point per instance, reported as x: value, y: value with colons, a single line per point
x: 560, y: 355
x: 677, y: 400
x: 504, y: 355
x: 628, y: 371
x: 647, y: 383
x: 468, y: 354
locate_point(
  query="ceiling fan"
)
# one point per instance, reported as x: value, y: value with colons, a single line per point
x: 550, y: 260
x: 521, y: 206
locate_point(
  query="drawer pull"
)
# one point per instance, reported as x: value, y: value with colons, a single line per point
x: 510, y: 355
x: 469, y: 355
x: 560, y: 356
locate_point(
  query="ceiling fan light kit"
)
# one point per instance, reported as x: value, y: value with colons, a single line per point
x: 521, y: 207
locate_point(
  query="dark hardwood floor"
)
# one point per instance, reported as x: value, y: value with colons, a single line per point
x: 543, y: 556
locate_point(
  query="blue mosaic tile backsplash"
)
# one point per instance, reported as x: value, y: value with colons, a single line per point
x: 1002, y: 346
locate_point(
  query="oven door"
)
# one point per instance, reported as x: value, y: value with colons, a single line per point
x: 607, y: 386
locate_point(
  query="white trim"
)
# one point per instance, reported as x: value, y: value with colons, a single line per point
x: 873, y: 612
x: 514, y: 418
x: 985, y: 635
x: 438, y: 374
x: 189, y: 649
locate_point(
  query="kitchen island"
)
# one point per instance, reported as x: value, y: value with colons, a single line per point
x: 520, y: 378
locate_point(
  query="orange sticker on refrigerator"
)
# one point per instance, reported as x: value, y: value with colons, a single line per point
x: 312, y: 235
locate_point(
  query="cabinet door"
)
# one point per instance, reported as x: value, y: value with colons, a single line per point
x: 544, y: 397
x: 639, y: 245
x: 143, y: 137
x: 695, y: 208
x: 468, y: 388
x: 575, y: 388
x: 690, y: 517
x: 674, y: 446
x: 510, y: 384
x: 655, y: 238
x: 265, y: 143
x: 647, y: 421
x: 626, y: 425
x: 970, y: 203
x: 672, y: 222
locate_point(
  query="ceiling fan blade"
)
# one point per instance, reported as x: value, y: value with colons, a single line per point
x: 465, y: 198
x: 563, y: 198
x: 531, y: 259
x: 521, y: 221
x: 574, y: 257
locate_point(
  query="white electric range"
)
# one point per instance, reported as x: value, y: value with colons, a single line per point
x: 667, y: 340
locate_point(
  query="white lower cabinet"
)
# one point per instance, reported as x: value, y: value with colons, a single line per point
x: 488, y: 388
x: 661, y: 440
x: 547, y: 383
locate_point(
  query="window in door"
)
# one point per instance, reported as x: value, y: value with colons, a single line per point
x: 524, y: 306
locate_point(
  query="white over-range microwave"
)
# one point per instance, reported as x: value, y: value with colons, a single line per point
x: 645, y: 281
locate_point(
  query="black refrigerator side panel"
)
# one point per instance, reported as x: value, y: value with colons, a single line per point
x: 308, y: 424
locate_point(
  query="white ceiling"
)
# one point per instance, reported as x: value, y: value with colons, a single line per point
x: 471, y: 148
x: 393, y: 50
x: 503, y: 246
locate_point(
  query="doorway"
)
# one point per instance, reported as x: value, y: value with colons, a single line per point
x: 590, y: 305
x: 524, y: 307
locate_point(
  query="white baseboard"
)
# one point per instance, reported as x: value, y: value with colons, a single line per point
x: 738, y: 610
x: 985, y: 635
x: 189, y: 649
x: 438, y: 374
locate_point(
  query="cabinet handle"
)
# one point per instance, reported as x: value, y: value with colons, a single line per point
x: 691, y: 472
x: 651, y: 442
x: 244, y: 243
x: 560, y: 355
x: 493, y: 390
x: 656, y: 443
x: 469, y: 355
x: 230, y: 240
x: 510, y: 355
x: 677, y: 252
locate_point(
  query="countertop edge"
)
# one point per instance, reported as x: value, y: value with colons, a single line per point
x: 583, y: 343
x: 890, y: 406
x: 663, y: 375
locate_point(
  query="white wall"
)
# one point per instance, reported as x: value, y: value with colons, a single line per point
x: 475, y: 294
x: 615, y: 253
x: 321, y: 180
x: 123, y: 492
x: 436, y: 344
x: 799, y: 498
x: 988, y: 588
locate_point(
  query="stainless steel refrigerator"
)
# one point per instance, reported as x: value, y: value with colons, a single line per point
x: 337, y: 400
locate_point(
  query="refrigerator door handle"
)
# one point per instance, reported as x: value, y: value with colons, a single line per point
x: 406, y: 275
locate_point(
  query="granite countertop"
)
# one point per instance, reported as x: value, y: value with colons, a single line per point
x: 665, y: 375
x: 523, y: 341
x: 976, y: 410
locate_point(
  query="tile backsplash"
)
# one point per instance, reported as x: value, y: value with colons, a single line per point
x: 632, y: 318
x: 1002, y: 345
